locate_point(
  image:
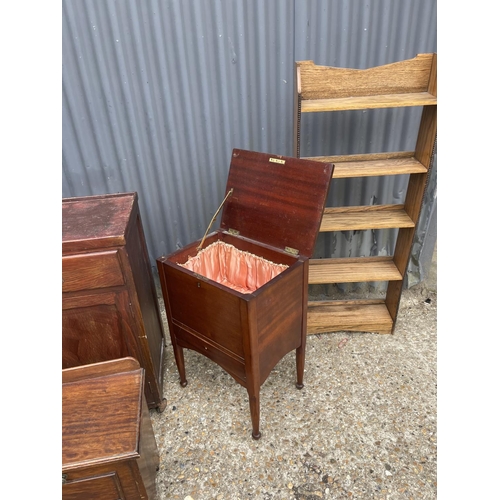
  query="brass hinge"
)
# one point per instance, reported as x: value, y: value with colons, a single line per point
x: 293, y: 251
x: 235, y: 232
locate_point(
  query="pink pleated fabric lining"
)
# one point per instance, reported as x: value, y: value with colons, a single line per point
x: 234, y: 268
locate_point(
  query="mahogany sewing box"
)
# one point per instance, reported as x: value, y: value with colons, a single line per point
x: 109, y: 448
x: 239, y: 295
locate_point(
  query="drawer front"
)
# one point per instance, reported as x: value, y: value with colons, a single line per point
x: 91, y: 270
x: 233, y: 364
x: 102, y: 487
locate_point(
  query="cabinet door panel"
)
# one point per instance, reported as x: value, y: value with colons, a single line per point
x: 95, y: 329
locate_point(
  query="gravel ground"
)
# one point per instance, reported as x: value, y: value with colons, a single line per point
x: 363, y: 427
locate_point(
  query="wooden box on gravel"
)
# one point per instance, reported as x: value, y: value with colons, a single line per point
x: 109, y: 449
x: 239, y: 295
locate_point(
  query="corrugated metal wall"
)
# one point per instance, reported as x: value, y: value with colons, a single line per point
x: 157, y: 93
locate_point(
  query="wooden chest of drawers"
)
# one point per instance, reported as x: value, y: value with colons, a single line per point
x: 109, y: 304
x: 270, y: 220
x: 109, y: 450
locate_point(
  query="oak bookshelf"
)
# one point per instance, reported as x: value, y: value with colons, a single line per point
x: 412, y: 82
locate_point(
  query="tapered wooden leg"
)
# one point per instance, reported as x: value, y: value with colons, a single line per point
x: 300, y: 356
x: 248, y: 315
x: 179, y: 359
x: 178, y: 351
x: 254, y: 399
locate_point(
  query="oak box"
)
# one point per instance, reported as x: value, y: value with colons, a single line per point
x: 109, y: 450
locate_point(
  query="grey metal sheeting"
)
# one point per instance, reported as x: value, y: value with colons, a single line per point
x: 156, y: 95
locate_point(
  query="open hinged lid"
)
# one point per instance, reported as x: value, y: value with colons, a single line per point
x: 276, y: 200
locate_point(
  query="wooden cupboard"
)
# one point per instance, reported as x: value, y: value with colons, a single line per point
x: 109, y: 304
